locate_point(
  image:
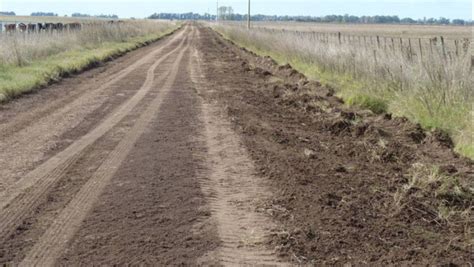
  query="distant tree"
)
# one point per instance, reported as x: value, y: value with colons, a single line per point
x: 443, y: 21
x: 79, y: 15
x: 458, y: 22
x: 431, y: 21
x: 44, y: 14
x: 227, y: 13
x: 408, y: 21
x: 102, y: 16
x: 6, y: 13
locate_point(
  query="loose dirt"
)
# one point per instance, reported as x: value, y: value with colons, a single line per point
x: 341, y: 175
x: 192, y: 151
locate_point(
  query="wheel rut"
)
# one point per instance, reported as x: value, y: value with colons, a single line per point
x: 159, y: 178
x: 50, y: 246
x: 25, y: 119
x: 17, y: 201
x: 20, y: 138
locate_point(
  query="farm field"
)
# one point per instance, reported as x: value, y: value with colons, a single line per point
x: 425, y: 77
x: 388, y: 30
x: 189, y: 149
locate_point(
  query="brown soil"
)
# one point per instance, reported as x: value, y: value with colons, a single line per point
x: 193, y: 151
x: 337, y: 170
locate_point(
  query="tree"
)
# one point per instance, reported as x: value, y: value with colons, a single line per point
x: 44, y: 14
x: 458, y: 22
x: 6, y: 13
x: 227, y: 13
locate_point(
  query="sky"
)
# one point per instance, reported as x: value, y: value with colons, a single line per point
x: 142, y: 8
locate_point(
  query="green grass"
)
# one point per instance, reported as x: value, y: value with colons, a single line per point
x: 378, y: 96
x: 17, y: 80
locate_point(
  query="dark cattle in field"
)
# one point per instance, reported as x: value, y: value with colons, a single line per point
x: 10, y: 27
x: 22, y: 27
x: 31, y: 27
x: 73, y: 26
x: 48, y: 26
x: 59, y: 26
x: 41, y: 26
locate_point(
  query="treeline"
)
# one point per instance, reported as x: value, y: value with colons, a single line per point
x: 79, y: 15
x: 325, y: 19
x: 375, y: 19
x: 182, y: 16
x: 44, y: 14
x: 6, y: 13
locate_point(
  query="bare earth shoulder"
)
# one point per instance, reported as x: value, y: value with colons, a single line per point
x: 192, y: 151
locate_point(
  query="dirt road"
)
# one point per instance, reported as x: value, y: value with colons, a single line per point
x: 192, y: 151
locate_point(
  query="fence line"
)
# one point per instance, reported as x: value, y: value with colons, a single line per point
x: 449, y: 49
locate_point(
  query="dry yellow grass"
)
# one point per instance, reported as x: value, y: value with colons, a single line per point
x: 31, y: 60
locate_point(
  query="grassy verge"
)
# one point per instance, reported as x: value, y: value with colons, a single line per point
x: 17, y: 80
x: 423, y: 105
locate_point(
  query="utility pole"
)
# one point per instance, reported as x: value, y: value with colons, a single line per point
x: 248, y: 18
x: 217, y: 11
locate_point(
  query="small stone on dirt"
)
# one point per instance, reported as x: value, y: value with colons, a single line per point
x: 309, y: 153
x: 340, y: 169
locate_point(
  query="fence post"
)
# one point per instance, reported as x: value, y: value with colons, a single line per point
x: 421, y: 48
x: 457, y: 47
x: 472, y: 63
x: 410, y: 50
x: 378, y: 42
x: 393, y: 44
x: 339, y: 37
x: 442, y: 47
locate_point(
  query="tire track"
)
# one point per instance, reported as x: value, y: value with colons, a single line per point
x: 31, y: 150
x: 232, y: 190
x: 28, y: 190
x: 24, y: 120
x: 50, y: 246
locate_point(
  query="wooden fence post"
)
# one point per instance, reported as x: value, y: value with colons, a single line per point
x: 472, y: 63
x: 339, y: 37
x: 410, y: 49
x: 442, y: 47
x: 421, y: 48
x: 378, y: 41
x: 457, y: 47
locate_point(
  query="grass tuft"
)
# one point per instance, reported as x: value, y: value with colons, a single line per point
x: 376, y: 105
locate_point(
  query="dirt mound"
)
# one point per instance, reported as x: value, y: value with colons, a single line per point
x: 351, y: 186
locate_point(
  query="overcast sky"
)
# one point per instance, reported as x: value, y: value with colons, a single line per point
x: 142, y: 8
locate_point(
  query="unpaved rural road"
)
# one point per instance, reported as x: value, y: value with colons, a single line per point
x: 129, y: 166
x: 169, y: 155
